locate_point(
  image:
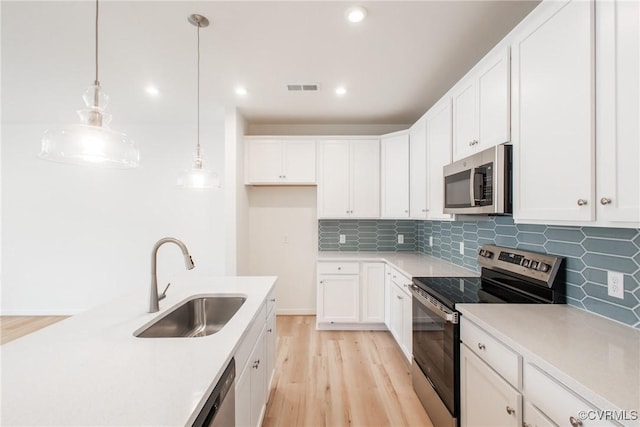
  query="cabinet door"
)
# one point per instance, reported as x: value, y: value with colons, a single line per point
x: 534, y: 418
x: 365, y: 179
x: 396, y: 313
x: 617, y: 112
x: 485, y: 398
x: 552, y: 110
x: 407, y: 326
x: 465, y: 118
x: 243, y: 398
x: 264, y: 163
x: 387, y: 296
x: 494, y: 125
x: 372, y: 292
x: 394, y: 181
x: 439, y: 134
x: 418, y: 170
x: 300, y: 162
x: 333, y: 180
x: 258, y: 381
x: 271, y: 349
x: 338, y: 298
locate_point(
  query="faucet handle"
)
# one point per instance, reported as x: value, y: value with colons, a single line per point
x: 163, y: 295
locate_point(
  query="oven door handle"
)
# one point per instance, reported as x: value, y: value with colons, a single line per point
x: 434, y: 305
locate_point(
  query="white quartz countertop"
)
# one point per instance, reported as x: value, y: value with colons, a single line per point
x: 411, y: 264
x: 90, y: 370
x: 597, y: 358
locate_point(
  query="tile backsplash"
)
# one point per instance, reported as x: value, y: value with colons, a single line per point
x: 589, y: 252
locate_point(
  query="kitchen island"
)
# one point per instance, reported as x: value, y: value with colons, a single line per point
x: 90, y: 370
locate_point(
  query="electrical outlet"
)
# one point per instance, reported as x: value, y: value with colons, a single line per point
x: 343, y: 238
x: 615, y: 282
x: 461, y: 248
x: 430, y: 241
x: 400, y: 238
x: 462, y: 285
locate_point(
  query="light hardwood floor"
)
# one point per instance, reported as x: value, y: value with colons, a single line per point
x: 12, y: 327
x: 322, y: 378
x: 340, y: 378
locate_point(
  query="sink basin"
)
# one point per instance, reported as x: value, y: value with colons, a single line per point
x: 197, y: 317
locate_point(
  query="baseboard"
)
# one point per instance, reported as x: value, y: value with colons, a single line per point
x: 351, y: 327
x: 295, y: 311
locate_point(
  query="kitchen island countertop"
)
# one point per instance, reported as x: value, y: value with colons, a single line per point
x: 90, y: 370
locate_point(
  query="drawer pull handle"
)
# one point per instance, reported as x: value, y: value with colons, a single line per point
x: 510, y: 410
x: 575, y: 422
x: 582, y: 202
x: 605, y: 201
x: 482, y: 346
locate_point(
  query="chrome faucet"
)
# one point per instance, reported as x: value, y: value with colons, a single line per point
x: 154, y: 297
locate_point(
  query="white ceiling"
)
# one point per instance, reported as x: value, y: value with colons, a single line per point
x: 395, y: 64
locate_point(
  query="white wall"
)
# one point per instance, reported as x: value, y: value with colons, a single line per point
x: 74, y: 237
x: 283, y: 224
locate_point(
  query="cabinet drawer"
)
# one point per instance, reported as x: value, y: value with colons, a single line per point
x: 248, y: 342
x: 271, y: 302
x: 338, y: 268
x: 557, y: 402
x: 500, y: 357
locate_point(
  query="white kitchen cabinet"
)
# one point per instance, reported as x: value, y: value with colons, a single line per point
x: 617, y: 111
x: 270, y: 341
x: 394, y: 180
x: 439, y: 135
x: 338, y: 293
x: 349, y: 179
x: 400, y: 319
x: 280, y: 162
x: 418, y: 170
x: 553, y: 113
x: 251, y: 385
x: 481, y: 105
x: 534, y: 418
x: 486, y: 399
x: 372, y: 278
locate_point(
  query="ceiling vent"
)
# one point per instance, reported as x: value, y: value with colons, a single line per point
x: 309, y: 87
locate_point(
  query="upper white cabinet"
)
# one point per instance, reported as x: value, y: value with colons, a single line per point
x: 553, y: 111
x: 617, y: 136
x: 394, y: 180
x: 349, y: 179
x: 481, y: 105
x: 418, y: 170
x: 278, y: 162
x: 439, y: 134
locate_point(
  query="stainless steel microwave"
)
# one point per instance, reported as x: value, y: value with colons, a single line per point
x: 480, y: 184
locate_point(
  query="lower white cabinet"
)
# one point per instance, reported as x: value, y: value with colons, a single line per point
x: 400, y: 319
x: 351, y: 295
x: 486, y: 399
x: 255, y: 365
x: 534, y: 418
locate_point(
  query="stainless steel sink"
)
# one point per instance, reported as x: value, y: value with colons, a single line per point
x: 197, y: 317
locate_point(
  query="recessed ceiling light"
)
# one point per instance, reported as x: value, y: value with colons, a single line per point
x: 356, y: 14
x: 152, y: 91
x: 241, y: 91
x: 341, y: 90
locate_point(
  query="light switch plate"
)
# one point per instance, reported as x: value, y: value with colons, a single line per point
x: 400, y: 238
x: 615, y: 282
x: 343, y: 238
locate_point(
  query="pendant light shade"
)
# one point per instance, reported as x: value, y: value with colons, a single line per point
x: 91, y: 141
x: 198, y: 177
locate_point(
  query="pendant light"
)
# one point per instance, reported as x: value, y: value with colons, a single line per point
x: 198, y: 177
x: 92, y: 141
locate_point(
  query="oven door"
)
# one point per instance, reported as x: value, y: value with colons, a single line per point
x: 436, y: 337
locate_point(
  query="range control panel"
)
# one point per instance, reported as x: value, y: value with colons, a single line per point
x: 531, y: 264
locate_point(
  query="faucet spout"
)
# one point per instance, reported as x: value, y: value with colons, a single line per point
x: 154, y: 297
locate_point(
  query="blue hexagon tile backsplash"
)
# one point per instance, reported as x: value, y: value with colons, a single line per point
x: 589, y: 252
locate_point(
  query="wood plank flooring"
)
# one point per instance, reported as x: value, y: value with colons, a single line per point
x: 340, y: 378
x: 12, y: 327
x: 322, y: 378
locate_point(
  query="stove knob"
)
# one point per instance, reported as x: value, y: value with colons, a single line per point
x: 544, y: 267
x: 525, y: 263
x: 488, y: 254
x: 534, y: 265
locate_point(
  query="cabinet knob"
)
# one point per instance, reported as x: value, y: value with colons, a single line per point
x: 272, y: 300
x: 406, y: 211
x: 470, y: 143
x: 605, y: 201
x: 575, y: 422
x: 526, y: 424
x: 510, y: 410
x: 321, y: 282
x: 269, y: 330
x: 582, y: 202
x: 398, y: 296
x: 481, y: 346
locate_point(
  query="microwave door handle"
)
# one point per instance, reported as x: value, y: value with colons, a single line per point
x: 472, y: 187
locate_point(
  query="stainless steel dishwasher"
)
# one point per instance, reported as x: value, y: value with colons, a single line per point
x: 220, y: 408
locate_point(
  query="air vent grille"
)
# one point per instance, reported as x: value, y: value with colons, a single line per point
x: 307, y: 87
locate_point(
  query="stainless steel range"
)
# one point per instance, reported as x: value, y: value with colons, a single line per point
x: 507, y: 276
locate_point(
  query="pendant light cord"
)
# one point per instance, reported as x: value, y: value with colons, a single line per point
x: 198, y: 145
x: 96, y: 94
